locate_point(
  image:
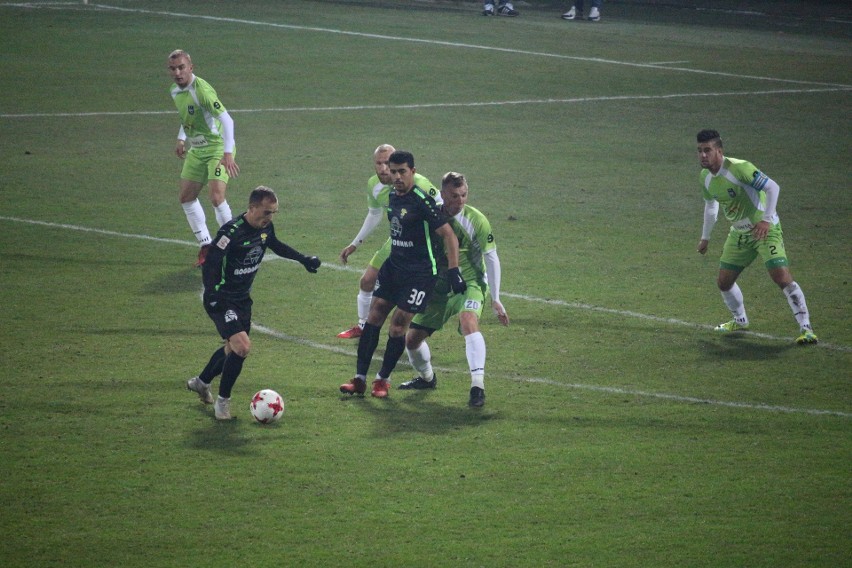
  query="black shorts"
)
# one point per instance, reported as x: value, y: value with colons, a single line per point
x: 409, y: 291
x: 231, y: 317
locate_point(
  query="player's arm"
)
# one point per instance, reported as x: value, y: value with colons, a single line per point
x: 451, y: 250
x: 492, y: 273
x: 228, y: 137
x: 711, y: 211
x: 771, y: 189
x: 211, y: 271
x: 311, y: 263
x: 371, y: 221
x: 180, y: 145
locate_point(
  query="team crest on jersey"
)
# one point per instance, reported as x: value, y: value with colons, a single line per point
x: 190, y: 109
x: 254, y: 256
x: 263, y: 237
x: 230, y: 316
x: 732, y: 192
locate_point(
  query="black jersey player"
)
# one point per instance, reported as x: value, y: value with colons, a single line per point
x: 228, y: 273
x: 407, y: 278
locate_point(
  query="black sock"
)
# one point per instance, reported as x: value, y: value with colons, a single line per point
x: 230, y: 371
x: 393, y: 351
x: 214, y: 366
x: 367, y: 344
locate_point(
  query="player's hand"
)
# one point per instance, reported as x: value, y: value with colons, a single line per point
x: 500, y: 312
x: 230, y: 165
x: 344, y: 254
x: 180, y: 149
x: 311, y: 264
x: 702, y: 246
x: 213, y: 302
x: 457, y: 283
x: 761, y: 229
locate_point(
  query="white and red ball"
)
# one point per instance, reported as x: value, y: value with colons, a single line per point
x: 267, y: 406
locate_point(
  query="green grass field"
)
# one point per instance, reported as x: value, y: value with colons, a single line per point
x: 619, y: 430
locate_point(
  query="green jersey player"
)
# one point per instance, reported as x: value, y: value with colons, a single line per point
x: 748, y: 198
x: 378, y: 189
x: 209, y: 130
x: 480, y: 268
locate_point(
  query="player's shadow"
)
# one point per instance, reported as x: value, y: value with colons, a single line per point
x: 178, y: 282
x: 742, y: 348
x: 418, y: 413
x: 223, y: 436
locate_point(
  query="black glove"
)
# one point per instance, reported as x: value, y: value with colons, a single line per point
x: 311, y: 264
x: 213, y: 302
x: 457, y: 283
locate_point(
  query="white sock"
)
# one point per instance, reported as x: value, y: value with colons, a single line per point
x: 421, y: 360
x: 197, y: 221
x: 734, y: 300
x: 796, y: 299
x: 223, y: 213
x: 475, y: 350
x: 364, y: 300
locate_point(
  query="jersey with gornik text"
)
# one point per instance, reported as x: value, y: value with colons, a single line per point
x: 235, y: 255
x: 414, y: 217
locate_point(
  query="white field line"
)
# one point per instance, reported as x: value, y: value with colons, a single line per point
x: 347, y: 108
x: 453, y: 44
x: 534, y: 380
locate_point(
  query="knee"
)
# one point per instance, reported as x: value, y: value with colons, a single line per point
x: 368, y: 282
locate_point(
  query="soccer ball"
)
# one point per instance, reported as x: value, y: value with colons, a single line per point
x: 267, y: 406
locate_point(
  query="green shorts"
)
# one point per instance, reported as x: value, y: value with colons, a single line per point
x: 741, y: 249
x: 381, y: 255
x: 202, y: 165
x: 443, y: 306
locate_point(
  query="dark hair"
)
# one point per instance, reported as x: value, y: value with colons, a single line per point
x: 402, y: 157
x: 260, y: 194
x: 709, y: 136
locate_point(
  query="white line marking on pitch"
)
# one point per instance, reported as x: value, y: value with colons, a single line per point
x: 346, y: 268
x: 613, y: 390
x: 444, y: 43
x: 575, y: 100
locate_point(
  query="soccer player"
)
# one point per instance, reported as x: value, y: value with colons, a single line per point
x: 748, y: 198
x: 209, y: 129
x: 480, y: 268
x: 378, y: 189
x: 228, y: 273
x: 407, y: 278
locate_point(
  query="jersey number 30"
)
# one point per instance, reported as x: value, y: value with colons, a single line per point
x: 416, y: 297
